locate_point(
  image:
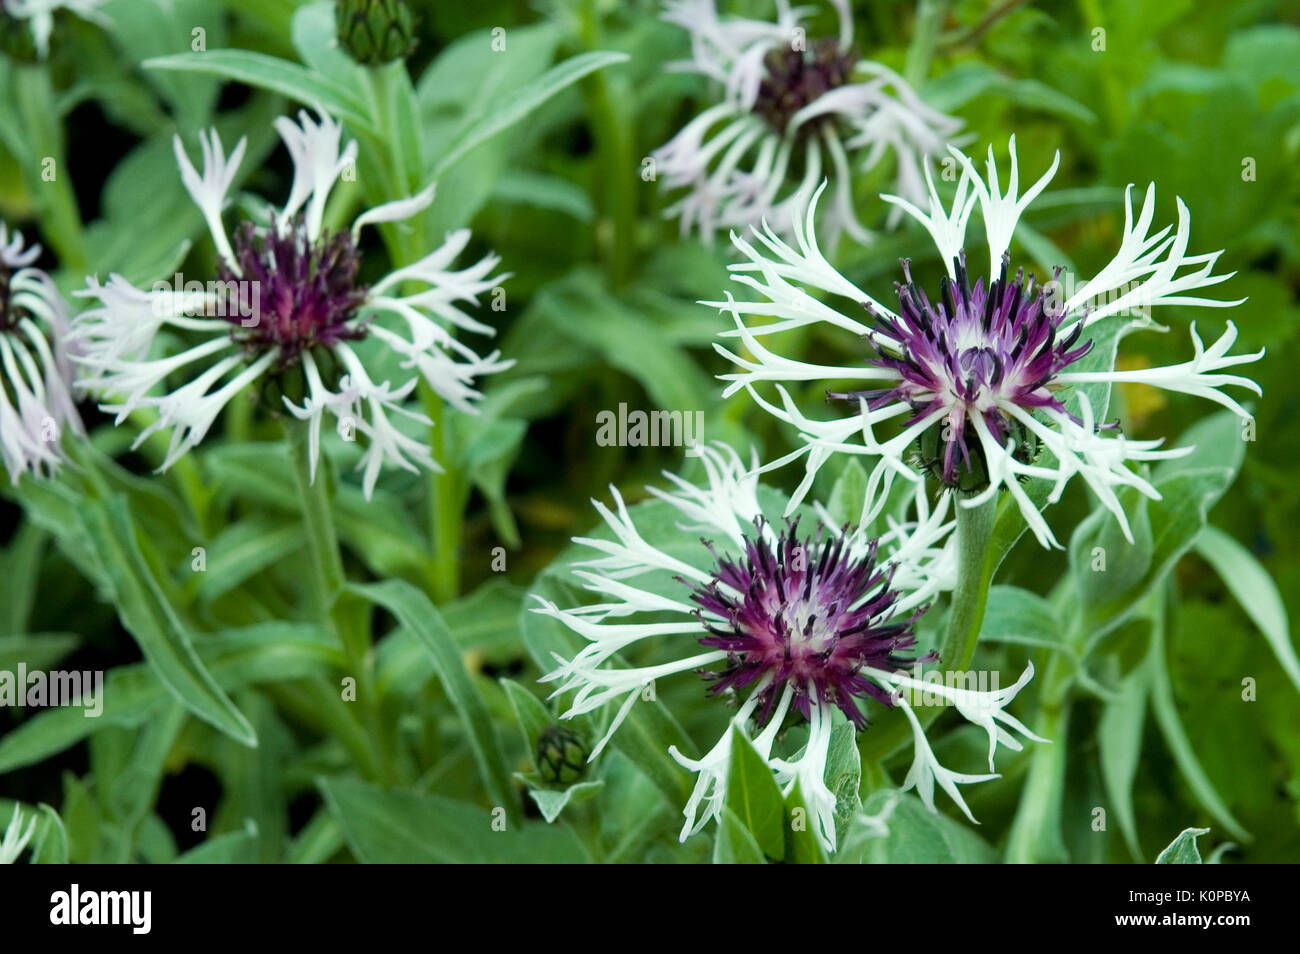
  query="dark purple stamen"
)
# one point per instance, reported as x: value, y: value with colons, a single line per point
x: 969, y: 351
x: 808, y: 614
x: 307, y: 294
x: 796, y: 78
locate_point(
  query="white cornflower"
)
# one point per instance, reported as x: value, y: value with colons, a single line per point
x: 39, y: 15
x: 792, y: 111
x: 287, y: 306
x: 35, y: 375
x: 16, y: 837
x: 977, y: 375
x: 794, y: 626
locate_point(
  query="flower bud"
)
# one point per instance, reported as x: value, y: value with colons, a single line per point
x: 375, y: 31
x: 561, y: 756
x: 972, y: 476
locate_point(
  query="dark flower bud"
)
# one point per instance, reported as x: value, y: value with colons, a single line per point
x: 561, y: 756
x: 971, y: 476
x: 375, y: 31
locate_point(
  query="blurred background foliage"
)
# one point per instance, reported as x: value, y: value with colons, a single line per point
x: 1201, y: 97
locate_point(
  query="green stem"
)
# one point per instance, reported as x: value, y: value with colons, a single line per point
x: 969, y: 599
x: 965, y: 617
x: 1111, y: 86
x: 318, y: 520
x: 925, y: 36
x: 51, y: 185
x: 446, y: 507
x: 1036, y: 832
x: 613, y: 135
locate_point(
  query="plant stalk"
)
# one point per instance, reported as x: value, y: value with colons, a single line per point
x: 318, y: 521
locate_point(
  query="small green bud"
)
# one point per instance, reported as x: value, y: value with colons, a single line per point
x: 375, y: 31
x: 561, y: 756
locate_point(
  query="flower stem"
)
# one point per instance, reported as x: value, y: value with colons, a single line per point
x: 1036, y: 832
x: 318, y: 520
x: 614, y: 144
x: 969, y: 599
x: 965, y: 617
x: 925, y: 36
x: 46, y: 165
x: 446, y: 508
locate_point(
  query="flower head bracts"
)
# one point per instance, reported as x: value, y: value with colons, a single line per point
x: 978, y: 379
x: 288, y: 310
x: 36, y: 402
x: 793, y: 110
x: 797, y: 627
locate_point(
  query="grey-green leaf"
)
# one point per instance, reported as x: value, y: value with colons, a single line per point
x: 1182, y: 850
x: 148, y: 617
x: 415, y: 611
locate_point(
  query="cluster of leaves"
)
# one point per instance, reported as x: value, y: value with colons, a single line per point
x: 222, y: 689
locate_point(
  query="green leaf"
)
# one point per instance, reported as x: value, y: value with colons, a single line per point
x: 485, y: 621
x: 414, y: 611
x: 968, y: 80
x: 733, y: 844
x: 848, y: 494
x: 150, y: 27
x: 530, y: 711
x: 1015, y: 615
x: 279, y: 76
x: 1180, y: 746
x: 542, y: 191
x: 1255, y: 590
x: 920, y: 836
x: 802, y: 846
x: 20, y: 568
x: 1119, y: 740
x: 242, y: 551
x: 512, y: 111
x: 50, y: 842
x: 490, y: 448
x: 148, y: 617
x: 1188, y: 486
x: 35, y: 650
x: 552, y: 801
x: 844, y: 777
x: 394, y: 826
x: 754, y: 797
x: 231, y: 848
x: 584, y: 311
x: 269, y: 652
x: 1182, y: 850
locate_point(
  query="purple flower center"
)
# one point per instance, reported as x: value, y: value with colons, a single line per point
x: 809, y: 614
x: 975, y: 353
x: 295, y: 294
x: 795, y: 78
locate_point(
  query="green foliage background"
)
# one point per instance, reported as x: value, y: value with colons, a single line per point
x: 602, y: 310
